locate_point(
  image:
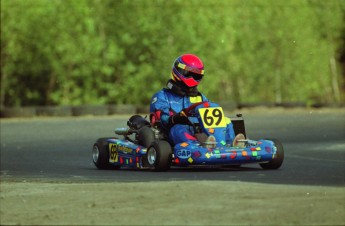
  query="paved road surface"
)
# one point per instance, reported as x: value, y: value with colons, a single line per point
x: 60, y: 149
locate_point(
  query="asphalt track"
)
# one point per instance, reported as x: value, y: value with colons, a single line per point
x: 59, y: 149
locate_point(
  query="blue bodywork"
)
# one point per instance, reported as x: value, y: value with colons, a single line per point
x: 130, y: 154
x: 187, y: 154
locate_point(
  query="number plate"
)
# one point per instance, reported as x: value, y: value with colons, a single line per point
x: 114, y: 155
x: 212, y: 117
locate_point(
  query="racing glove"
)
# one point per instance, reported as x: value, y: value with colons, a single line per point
x: 179, y: 118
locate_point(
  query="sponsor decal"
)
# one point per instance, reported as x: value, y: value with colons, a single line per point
x: 208, y: 155
x: 216, y: 153
x: 268, y: 149
x: 154, y: 100
x: 233, y: 154
x: 196, y: 154
x: 170, y: 85
x: 123, y: 148
x: 195, y: 99
x: 255, y: 149
x: 183, y: 154
x: 184, y: 144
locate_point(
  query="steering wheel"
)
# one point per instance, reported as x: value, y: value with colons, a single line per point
x: 191, y: 108
x: 188, y: 112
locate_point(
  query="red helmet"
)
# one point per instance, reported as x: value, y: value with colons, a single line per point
x: 188, y: 69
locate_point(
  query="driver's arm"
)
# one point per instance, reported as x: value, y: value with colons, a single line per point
x: 159, y: 102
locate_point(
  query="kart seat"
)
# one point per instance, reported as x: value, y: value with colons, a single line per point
x: 238, y: 125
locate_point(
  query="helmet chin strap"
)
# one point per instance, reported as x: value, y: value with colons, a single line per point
x: 181, y: 89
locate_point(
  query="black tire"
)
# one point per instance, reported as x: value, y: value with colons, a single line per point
x: 278, y: 160
x: 231, y: 167
x: 146, y: 136
x: 235, y: 166
x: 100, y: 155
x: 159, y: 155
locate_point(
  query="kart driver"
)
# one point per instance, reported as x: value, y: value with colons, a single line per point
x: 181, y: 92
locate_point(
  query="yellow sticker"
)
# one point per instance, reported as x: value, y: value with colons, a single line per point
x: 114, y: 155
x: 212, y: 117
x: 208, y: 155
x: 196, y: 99
x: 228, y: 120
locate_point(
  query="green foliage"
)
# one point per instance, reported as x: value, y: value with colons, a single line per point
x: 56, y: 52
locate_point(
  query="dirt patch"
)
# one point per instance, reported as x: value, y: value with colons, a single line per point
x: 170, y: 203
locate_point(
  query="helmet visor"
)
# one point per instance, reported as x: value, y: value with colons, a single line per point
x: 189, y: 74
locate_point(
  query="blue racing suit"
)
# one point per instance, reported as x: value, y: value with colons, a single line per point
x: 169, y: 103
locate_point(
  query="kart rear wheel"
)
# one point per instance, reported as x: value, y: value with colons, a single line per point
x: 279, y: 158
x: 146, y: 136
x: 100, y: 155
x: 159, y: 155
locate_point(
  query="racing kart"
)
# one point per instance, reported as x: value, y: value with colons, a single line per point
x: 145, y: 144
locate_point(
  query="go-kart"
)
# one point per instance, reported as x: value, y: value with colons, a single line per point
x: 145, y: 144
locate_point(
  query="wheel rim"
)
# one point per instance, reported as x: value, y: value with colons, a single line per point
x: 95, y: 153
x: 151, y: 156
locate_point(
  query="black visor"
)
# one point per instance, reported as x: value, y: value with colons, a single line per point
x: 189, y: 74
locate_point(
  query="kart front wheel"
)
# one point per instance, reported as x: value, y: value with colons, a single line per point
x: 159, y: 155
x: 100, y: 155
x: 279, y: 158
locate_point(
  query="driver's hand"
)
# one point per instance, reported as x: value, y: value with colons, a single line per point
x: 179, y: 118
